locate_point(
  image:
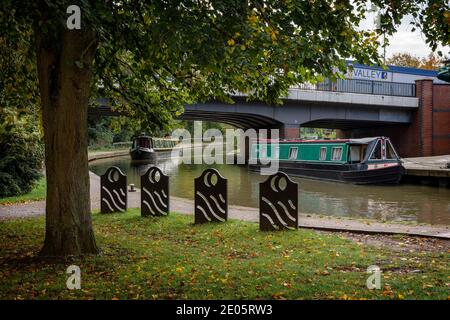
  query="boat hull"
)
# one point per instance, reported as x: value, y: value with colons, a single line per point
x: 142, y: 154
x: 391, y: 174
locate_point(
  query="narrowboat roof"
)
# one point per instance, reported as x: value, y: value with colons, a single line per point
x: 356, y: 141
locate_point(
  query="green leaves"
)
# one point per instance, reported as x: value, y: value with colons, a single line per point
x: 153, y: 58
x: 21, y: 151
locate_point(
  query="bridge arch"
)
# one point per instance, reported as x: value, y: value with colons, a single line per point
x: 239, y: 120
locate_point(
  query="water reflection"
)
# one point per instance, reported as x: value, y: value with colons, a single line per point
x: 422, y: 204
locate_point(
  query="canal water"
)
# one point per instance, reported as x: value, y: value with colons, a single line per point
x: 415, y: 203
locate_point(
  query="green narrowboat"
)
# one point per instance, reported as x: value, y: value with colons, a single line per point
x: 359, y: 161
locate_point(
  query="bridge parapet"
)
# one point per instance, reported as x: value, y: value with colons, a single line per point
x: 372, y: 87
x: 355, y: 92
x: 351, y: 99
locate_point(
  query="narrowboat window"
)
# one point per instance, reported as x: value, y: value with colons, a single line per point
x: 293, y: 153
x: 390, y: 152
x: 354, y: 154
x: 263, y: 152
x: 336, y: 153
x: 276, y: 152
x: 376, y: 154
x: 323, y: 153
x: 363, y: 152
x: 144, y: 143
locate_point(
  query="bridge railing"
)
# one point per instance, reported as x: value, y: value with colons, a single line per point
x: 364, y: 87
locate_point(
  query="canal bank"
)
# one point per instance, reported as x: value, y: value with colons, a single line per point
x: 411, y: 203
x: 326, y: 223
x: 186, y: 206
x: 246, y: 213
x: 99, y: 155
x: 428, y: 170
x: 317, y: 222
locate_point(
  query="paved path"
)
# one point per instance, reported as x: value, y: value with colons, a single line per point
x: 186, y: 206
x: 36, y: 208
x: 428, y: 166
x: 438, y: 162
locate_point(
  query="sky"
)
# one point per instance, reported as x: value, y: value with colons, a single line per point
x: 412, y: 42
x: 404, y: 40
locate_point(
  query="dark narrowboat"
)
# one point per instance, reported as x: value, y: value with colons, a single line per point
x: 359, y: 161
x: 142, y: 148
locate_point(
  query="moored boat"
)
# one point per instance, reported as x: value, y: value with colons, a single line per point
x: 142, y: 148
x: 359, y: 161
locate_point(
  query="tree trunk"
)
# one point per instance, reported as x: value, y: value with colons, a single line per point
x: 65, y: 62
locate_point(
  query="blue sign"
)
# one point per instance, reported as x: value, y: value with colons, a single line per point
x: 370, y: 74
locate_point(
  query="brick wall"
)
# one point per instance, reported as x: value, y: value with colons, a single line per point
x: 289, y: 132
x: 441, y: 119
x: 424, y: 92
x: 404, y: 137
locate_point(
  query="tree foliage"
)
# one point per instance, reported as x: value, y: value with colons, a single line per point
x: 21, y: 149
x: 404, y: 59
x: 154, y: 56
x: 21, y: 153
x: 432, y: 62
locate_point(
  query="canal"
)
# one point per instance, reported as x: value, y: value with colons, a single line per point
x: 413, y: 203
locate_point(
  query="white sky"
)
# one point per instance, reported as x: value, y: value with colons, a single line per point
x: 404, y: 40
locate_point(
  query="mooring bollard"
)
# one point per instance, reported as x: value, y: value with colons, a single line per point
x: 211, y: 201
x: 154, y: 193
x: 113, y: 193
x: 278, y: 203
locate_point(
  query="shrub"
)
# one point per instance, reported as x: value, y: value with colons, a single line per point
x: 21, y: 155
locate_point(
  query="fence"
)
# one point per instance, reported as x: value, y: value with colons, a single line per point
x: 278, y: 197
x: 364, y: 87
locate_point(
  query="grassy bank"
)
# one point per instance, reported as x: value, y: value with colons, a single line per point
x: 37, y: 193
x: 171, y: 258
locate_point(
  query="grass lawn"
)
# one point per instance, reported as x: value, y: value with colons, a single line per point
x: 170, y: 258
x: 37, y: 193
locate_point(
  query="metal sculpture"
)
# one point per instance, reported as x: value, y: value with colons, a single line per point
x: 113, y: 193
x: 278, y: 203
x: 154, y: 193
x: 211, y: 202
